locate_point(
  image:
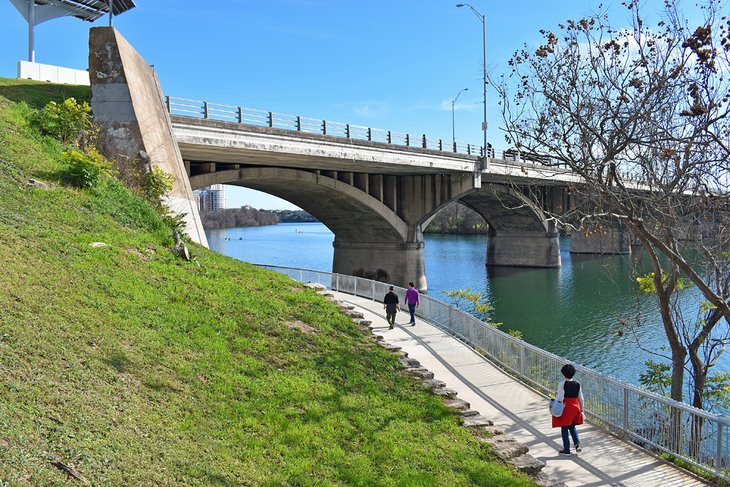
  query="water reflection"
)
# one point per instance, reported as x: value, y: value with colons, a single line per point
x: 574, y: 311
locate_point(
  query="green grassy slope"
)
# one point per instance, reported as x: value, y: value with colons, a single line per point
x: 135, y: 367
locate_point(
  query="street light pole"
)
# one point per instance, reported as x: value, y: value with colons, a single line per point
x: 453, y: 122
x: 483, y: 20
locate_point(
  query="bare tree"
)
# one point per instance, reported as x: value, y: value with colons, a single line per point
x: 640, y: 114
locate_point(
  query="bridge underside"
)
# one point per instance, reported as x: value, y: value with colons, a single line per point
x: 519, y: 233
x: 376, y: 218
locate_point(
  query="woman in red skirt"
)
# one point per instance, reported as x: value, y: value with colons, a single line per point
x: 570, y: 394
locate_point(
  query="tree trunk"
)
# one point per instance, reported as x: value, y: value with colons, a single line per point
x: 679, y: 352
x: 700, y: 371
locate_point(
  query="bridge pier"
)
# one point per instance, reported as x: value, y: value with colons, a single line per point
x: 523, y: 249
x: 520, y: 234
x: 601, y: 239
x: 393, y: 262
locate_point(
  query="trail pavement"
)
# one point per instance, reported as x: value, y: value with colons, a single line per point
x: 520, y: 411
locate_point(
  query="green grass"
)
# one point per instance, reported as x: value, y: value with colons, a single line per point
x: 135, y: 367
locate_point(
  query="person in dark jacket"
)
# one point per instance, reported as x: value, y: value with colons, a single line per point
x: 390, y: 304
x: 571, y: 395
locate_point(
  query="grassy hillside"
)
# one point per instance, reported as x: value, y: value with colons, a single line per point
x: 135, y: 367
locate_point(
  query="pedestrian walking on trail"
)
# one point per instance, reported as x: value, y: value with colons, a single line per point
x: 412, y: 300
x: 570, y: 395
x: 390, y: 304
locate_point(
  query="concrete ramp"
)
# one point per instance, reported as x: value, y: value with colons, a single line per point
x: 129, y: 106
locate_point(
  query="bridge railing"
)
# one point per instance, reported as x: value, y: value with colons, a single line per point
x: 263, y: 118
x: 651, y: 421
x: 254, y: 116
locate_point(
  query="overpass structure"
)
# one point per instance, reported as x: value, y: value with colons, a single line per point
x: 374, y: 189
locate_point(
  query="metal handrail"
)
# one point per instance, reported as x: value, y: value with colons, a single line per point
x: 253, y: 116
x: 649, y: 420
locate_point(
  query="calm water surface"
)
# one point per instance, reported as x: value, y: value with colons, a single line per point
x: 573, y: 311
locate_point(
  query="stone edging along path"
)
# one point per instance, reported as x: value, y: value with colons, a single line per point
x: 504, y: 446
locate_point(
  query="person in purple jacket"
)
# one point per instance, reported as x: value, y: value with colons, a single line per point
x: 412, y: 300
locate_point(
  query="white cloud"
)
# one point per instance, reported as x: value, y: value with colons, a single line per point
x: 372, y: 109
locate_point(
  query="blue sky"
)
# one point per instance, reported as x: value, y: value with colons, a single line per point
x: 393, y: 64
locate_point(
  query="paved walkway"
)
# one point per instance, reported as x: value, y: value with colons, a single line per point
x: 521, y: 412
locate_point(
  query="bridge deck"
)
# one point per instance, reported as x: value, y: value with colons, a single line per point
x: 521, y: 412
x: 228, y: 143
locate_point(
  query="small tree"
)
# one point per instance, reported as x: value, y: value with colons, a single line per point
x: 475, y: 303
x: 86, y: 169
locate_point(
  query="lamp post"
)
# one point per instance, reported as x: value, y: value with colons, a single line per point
x: 483, y: 20
x: 453, y: 122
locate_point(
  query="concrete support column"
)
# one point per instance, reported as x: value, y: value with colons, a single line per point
x: 346, y: 177
x: 206, y: 168
x: 361, y: 182
x: 375, y: 186
x: 523, y: 250
x: 390, y: 193
x: 601, y: 239
x: 392, y: 262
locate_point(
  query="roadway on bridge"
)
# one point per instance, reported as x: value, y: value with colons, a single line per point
x: 520, y: 411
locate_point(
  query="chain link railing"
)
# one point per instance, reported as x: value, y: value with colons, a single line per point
x: 654, y: 422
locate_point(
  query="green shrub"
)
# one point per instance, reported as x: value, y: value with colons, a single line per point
x: 156, y: 183
x: 70, y: 122
x: 85, y: 170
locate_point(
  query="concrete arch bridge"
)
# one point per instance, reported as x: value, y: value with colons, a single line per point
x: 377, y: 197
x: 375, y: 189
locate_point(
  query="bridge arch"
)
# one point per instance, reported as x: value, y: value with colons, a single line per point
x: 351, y: 214
x: 371, y: 239
x: 520, y: 234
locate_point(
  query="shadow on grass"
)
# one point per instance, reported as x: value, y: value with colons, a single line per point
x: 119, y: 361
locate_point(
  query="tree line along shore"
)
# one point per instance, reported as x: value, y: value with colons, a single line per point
x: 454, y: 218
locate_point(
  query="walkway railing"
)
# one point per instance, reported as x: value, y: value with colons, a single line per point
x: 253, y: 116
x: 649, y: 420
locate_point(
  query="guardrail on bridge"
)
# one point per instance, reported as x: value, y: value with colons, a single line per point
x: 263, y: 118
x: 649, y: 420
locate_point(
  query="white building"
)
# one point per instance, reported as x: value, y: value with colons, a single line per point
x: 211, y: 198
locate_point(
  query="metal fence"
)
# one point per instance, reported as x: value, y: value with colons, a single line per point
x: 254, y: 116
x: 649, y: 420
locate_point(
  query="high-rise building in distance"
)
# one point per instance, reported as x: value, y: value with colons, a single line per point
x: 211, y: 198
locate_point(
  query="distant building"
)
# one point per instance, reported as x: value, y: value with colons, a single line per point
x: 211, y: 198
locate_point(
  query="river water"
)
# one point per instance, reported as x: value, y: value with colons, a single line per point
x: 575, y: 311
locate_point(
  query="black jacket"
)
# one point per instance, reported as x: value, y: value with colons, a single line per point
x: 391, y: 302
